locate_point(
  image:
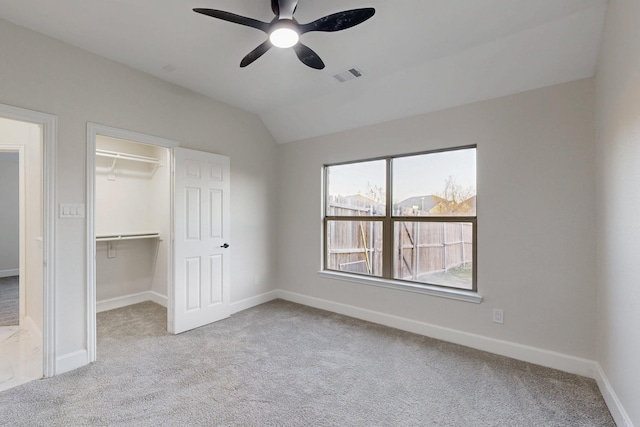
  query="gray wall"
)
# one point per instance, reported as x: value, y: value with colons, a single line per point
x: 9, y: 214
x: 42, y: 74
x: 618, y: 106
x: 536, y: 216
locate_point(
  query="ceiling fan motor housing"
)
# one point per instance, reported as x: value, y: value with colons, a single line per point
x: 284, y: 33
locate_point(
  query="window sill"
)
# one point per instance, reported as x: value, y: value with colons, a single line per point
x: 456, y: 294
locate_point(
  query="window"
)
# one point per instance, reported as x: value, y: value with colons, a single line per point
x: 405, y: 218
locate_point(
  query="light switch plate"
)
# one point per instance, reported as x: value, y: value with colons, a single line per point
x: 71, y: 210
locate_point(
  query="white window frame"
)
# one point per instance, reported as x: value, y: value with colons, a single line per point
x: 388, y: 226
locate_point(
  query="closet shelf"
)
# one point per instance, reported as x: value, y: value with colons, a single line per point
x: 116, y: 155
x: 127, y: 236
x: 125, y: 156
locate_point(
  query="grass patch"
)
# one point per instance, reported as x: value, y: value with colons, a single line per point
x: 459, y: 277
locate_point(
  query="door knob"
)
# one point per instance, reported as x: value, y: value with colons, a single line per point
x: 226, y: 245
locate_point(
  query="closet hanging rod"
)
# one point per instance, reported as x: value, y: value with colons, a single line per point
x: 125, y: 156
x: 112, y: 237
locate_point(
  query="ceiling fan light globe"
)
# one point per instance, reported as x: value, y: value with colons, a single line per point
x: 284, y: 37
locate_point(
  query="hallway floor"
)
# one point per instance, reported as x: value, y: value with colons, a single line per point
x: 20, y: 356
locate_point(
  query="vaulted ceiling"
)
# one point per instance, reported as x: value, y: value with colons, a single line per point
x: 416, y: 56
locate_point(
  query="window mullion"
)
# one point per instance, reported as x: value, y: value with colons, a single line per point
x: 387, y: 228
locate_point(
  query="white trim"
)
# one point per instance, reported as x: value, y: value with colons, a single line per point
x: 70, y: 361
x: 456, y: 294
x: 253, y: 301
x: 158, y: 298
x: 91, y: 245
x: 49, y: 124
x: 10, y: 273
x: 125, y: 300
x: 618, y: 412
x: 49, y: 315
x: 93, y: 130
x: 538, y: 356
x: 22, y: 226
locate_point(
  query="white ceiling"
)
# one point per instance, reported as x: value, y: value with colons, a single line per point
x: 417, y: 55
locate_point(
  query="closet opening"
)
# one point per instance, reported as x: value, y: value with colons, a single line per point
x: 132, y: 223
x: 158, y: 228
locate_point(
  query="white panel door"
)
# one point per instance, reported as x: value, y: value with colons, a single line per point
x: 201, y: 250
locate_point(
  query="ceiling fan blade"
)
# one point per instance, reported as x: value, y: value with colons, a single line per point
x: 255, y: 53
x: 286, y: 8
x: 275, y: 7
x: 339, y: 21
x: 236, y: 19
x: 308, y: 57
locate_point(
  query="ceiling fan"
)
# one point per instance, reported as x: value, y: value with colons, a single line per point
x: 284, y: 31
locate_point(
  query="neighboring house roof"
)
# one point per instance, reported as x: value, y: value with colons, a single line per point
x: 436, y: 205
x: 433, y: 205
x: 361, y: 200
x: 446, y: 207
x: 425, y: 203
x: 357, y: 201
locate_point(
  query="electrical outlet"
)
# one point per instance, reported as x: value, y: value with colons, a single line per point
x: 498, y: 315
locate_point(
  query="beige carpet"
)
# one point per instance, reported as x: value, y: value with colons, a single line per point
x: 282, y: 364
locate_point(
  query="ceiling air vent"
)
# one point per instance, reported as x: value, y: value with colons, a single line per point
x: 350, y: 74
x: 169, y: 68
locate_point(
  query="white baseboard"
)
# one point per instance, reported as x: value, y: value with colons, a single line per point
x: 247, y: 303
x: 125, y: 300
x: 615, y: 407
x: 32, y: 327
x: 550, y: 359
x: 158, y: 298
x: 10, y: 273
x: 69, y: 362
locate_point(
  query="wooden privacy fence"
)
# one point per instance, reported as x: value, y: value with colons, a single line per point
x: 431, y: 247
x: 420, y: 248
x: 354, y: 246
